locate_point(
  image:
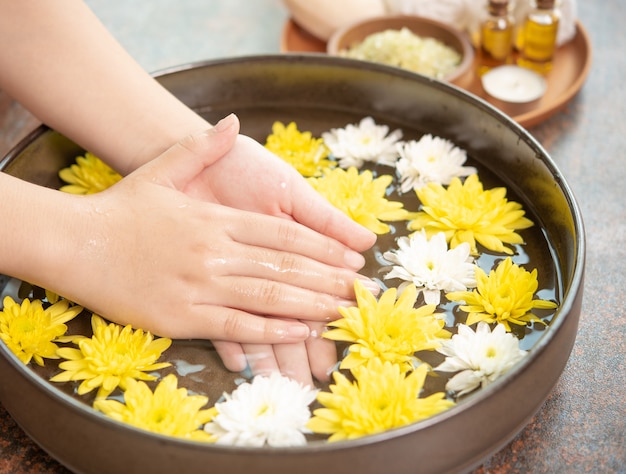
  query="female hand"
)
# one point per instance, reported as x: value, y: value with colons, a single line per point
x: 250, y: 177
x: 217, y: 272
x: 301, y: 361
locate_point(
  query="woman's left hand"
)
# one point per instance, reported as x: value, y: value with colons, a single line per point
x: 251, y: 178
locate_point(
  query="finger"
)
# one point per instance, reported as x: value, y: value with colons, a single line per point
x: 288, y: 236
x: 262, y: 296
x: 232, y: 355
x: 293, y: 362
x: 322, y: 353
x: 225, y: 324
x: 261, y: 359
x: 294, y: 269
x: 190, y: 156
x: 311, y: 209
x: 299, y: 201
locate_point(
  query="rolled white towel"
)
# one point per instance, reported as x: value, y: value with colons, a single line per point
x: 322, y: 17
x: 567, y: 23
x: 466, y: 15
x: 457, y: 13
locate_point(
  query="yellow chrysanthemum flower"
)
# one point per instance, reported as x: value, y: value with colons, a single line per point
x: 30, y: 331
x: 389, y: 330
x: 361, y: 197
x: 381, y: 397
x: 89, y: 175
x: 465, y: 212
x: 53, y: 297
x: 305, y: 153
x: 505, y: 296
x: 169, y: 410
x: 111, y: 357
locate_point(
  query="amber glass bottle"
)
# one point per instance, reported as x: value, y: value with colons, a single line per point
x: 496, y: 34
x: 538, y: 42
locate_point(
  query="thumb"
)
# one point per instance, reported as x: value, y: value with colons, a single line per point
x: 182, y: 162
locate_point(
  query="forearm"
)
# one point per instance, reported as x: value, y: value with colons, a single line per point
x: 37, y: 237
x: 64, y: 66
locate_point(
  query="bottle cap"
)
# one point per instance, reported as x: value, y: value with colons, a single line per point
x: 545, y: 4
x: 498, y: 7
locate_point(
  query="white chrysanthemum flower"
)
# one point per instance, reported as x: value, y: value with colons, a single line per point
x: 364, y: 142
x: 431, y: 159
x: 431, y: 266
x: 479, y: 357
x: 271, y: 410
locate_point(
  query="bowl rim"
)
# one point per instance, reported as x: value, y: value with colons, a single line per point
x: 565, y: 307
x: 467, y: 50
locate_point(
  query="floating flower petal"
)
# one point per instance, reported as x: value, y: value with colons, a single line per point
x: 381, y: 397
x: 430, y: 160
x: 361, y: 197
x: 430, y: 266
x: 111, y: 357
x: 389, y: 330
x: 479, y: 357
x: 505, y: 296
x: 467, y: 213
x: 53, y: 297
x: 169, y: 410
x: 89, y: 175
x: 272, y: 410
x: 305, y: 153
x: 31, y: 332
x: 364, y: 142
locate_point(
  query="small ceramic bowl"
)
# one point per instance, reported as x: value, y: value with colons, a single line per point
x: 355, y: 33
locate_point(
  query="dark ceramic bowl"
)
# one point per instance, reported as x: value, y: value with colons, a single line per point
x: 319, y: 92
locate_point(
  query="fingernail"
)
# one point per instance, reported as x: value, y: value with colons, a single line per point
x: 354, y: 259
x: 226, y: 123
x: 370, y: 284
x: 346, y: 303
x: 298, y: 331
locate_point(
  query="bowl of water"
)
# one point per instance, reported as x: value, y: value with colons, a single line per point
x: 320, y: 92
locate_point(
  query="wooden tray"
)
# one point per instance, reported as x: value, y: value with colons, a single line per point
x: 570, y: 69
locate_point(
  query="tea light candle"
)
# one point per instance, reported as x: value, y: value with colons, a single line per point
x: 514, y: 84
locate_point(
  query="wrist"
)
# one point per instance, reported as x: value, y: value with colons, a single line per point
x: 39, y: 245
x: 158, y: 136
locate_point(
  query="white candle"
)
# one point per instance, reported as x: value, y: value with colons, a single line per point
x: 514, y: 84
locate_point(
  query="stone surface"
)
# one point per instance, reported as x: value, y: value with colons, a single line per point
x: 581, y: 428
